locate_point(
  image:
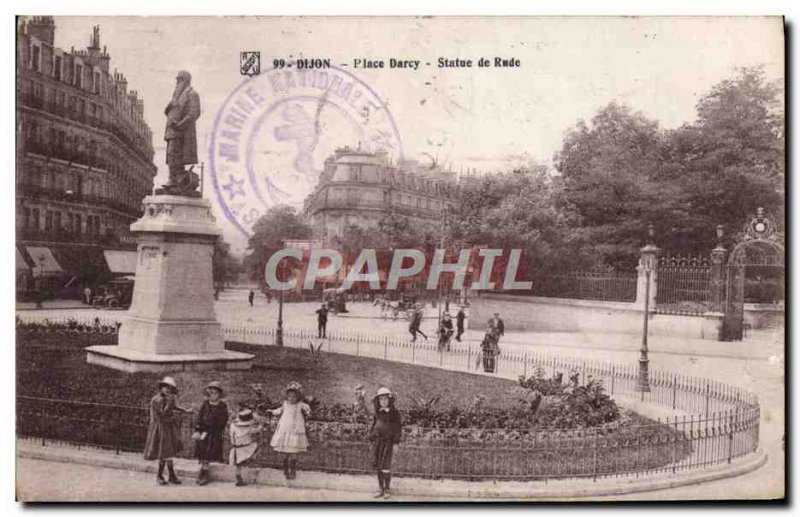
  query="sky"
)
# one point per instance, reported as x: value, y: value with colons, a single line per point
x: 488, y: 119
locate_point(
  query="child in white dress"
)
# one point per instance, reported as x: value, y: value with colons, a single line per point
x: 290, y: 434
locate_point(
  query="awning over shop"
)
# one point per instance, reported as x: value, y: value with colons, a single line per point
x: 46, y: 263
x: 22, y: 264
x: 120, y: 261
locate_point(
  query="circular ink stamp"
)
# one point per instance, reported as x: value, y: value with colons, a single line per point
x: 273, y: 133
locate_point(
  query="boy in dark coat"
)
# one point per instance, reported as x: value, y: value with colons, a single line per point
x: 210, y: 430
x: 385, y: 432
x: 163, y: 433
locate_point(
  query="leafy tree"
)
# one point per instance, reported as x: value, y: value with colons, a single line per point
x: 269, y: 233
x: 610, y: 170
x: 520, y: 209
x: 225, y: 266
x: 730, y: 160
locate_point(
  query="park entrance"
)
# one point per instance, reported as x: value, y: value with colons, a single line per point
x: 755, y: 273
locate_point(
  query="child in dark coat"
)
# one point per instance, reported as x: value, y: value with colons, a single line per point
x: 385, y: 433
x: 210, y: 430
x: 163, y: 434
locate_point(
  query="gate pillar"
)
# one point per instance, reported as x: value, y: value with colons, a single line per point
x: 719, y: 256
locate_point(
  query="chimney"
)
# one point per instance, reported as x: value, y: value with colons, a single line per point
x: 42, y: 28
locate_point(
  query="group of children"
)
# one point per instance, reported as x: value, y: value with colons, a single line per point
x: 290, y: 438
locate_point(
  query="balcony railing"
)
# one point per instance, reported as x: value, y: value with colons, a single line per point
x: 37, y: 191
x: 128, y: 137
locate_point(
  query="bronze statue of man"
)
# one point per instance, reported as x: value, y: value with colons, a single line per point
x: 182, y: 112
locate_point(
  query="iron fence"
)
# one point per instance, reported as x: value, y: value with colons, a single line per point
x: 587, y: 285
x: 684, y: 286
x: 714, y: 423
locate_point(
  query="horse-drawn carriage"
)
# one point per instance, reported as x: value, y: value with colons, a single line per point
x: 402, y: 308
x: 335, y: 299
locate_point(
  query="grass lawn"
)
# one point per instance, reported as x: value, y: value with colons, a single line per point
x: 54, y: 367
x: 57, y: 368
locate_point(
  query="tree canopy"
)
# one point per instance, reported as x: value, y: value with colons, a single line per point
x: 270, y: 231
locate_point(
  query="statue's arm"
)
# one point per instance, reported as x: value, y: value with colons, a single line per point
x: 192, y: 111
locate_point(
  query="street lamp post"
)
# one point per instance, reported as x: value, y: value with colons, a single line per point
x: 643, y: 380
x: 279, y: 331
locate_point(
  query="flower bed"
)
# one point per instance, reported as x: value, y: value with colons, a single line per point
x: 533, y: 429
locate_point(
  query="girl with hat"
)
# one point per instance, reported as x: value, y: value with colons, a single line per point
x: 385, y: 433
x: 209, y: 430
x: 244, y: 442
x: 163, y: 433
x: 290, y: 434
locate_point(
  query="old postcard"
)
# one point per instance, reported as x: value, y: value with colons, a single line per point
x: 399, y: 259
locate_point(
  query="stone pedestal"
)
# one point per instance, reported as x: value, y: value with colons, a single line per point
x: 171, y: 324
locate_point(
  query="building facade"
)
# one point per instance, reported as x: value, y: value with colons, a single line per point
x: 358, y: 188
x: 84, y: 152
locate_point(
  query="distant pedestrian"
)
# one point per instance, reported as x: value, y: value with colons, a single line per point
x: 460, y: 316
x: 385, y: 433
x: 210, y: 430
x: 416, y: 322
x: 163, y: 433
x: 243, y: 434
x: 322, y: 321
x: 499, y: 325
x: 290, y: 434
x: 250, y: 297
x: 87, y: 295
x: 490, y: 348
x: 445, y: 332
x: 216, y: 293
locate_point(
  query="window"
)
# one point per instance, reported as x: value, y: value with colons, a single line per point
x: 79, y: 76
x: 96, y: 82
x: 48, y: 220
x: 57, y: 68
x: 78, y: 224
x: 35, y: 219
x: 36, y: 58
x: 57, y: 220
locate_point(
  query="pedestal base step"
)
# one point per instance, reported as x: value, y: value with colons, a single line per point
x: 120, y: 358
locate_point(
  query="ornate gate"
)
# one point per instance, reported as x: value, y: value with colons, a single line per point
x: 754, y: 272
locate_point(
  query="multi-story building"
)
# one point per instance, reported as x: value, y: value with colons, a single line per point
x: 358, y: 188
x: 84, y: 155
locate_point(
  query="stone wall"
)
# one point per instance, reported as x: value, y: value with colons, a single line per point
x: 540, y: 314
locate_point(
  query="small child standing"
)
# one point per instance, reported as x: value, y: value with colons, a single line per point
x: 385, y: 433
x: 244, y: 442
x: 290, y: 434
x: 210, y: 430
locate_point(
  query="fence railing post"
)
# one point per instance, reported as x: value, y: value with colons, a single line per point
x: 730, y: 435
x: 613, y: 378
x: 708, y: 392
x: 674, y: 390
